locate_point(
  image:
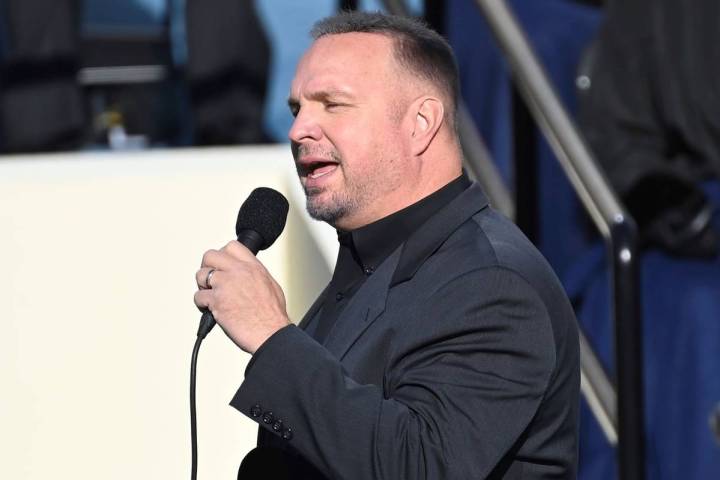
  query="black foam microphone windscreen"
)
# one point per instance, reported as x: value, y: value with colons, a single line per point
x: 260, y: 222
x: 264, y: 212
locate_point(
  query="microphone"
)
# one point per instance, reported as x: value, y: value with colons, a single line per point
x: 260, y: 222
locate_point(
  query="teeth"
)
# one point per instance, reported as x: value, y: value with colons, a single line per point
x: 322, y: 171
x: 318, y: 175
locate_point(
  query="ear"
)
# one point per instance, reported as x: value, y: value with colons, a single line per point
x: 429, y: 116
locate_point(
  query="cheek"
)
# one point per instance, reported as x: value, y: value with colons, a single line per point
x: 366, y: 144
x: 350, y: 141
x: 389, y: 142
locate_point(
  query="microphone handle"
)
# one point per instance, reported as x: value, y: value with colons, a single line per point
x: 253, y: 241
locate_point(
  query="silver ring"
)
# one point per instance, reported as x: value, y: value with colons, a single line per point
x: 209, y: 277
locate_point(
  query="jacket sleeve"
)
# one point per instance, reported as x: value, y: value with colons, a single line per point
x: 468, y: 372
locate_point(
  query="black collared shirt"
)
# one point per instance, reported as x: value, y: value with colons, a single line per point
x: 364, y: 249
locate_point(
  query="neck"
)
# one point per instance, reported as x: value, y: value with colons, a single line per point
x: 433, y: 179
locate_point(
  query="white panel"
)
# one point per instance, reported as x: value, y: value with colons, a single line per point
x: 97, y: 260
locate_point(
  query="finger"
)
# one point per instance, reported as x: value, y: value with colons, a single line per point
x: 205, y: 277
x: 203, y: 299
x: 238, y: 251
x: 217, y: 259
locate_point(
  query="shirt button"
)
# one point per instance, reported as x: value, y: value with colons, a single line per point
x: 369, y: 271
x: 277, y: 426
x: 256, y: 411
x: 268, y: 418
x: 287, y: 434
x: 339, y: 296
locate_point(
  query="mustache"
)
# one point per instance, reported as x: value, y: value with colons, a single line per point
x: 326, y: 155
x: 318, y: 151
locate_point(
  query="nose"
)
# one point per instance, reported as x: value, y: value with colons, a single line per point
x: 304, y: 128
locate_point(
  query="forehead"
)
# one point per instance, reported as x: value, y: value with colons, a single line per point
x: 347, y: 58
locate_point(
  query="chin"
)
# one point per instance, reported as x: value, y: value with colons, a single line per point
x: 328, y: 212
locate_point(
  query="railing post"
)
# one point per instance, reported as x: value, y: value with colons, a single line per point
x: 628, y: 350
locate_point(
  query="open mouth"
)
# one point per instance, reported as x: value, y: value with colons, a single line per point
x: 317, y: 169
x: 322, y: 170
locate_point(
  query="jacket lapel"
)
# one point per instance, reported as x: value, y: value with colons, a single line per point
x: 368, y: 303
x: 364, y: 308
x: 313, y: 310
x: 433, y: 233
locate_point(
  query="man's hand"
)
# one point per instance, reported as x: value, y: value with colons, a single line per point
x: 245, y: 300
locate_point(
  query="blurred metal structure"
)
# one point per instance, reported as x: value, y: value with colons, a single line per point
x: 128, y: 77
x: 479, y: 165
x: 122, y: 75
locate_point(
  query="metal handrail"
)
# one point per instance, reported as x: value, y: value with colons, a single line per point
x: 479, y: 165
x: 596, y: 387
x: 610, y: 217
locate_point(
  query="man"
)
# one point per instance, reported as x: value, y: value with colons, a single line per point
x: 444, y: 346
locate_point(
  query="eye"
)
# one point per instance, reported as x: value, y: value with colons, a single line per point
x: 294, y: 107
x: 332, y: 106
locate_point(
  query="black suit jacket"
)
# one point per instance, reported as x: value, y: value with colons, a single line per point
x: 457, y: 359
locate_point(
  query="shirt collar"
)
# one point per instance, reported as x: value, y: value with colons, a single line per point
x: 373, y: 243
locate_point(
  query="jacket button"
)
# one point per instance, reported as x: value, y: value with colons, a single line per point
x: 256, y: 411
x: 268, y: 418
x: 277, y: 426
x: 287, y: 434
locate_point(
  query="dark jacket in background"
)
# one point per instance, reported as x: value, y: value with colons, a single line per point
x: 652, y: 115
x: 41, y: 106
x: 227, y: 69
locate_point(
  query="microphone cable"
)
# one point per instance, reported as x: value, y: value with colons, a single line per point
x: 202, y: 331
x: 260, y: 222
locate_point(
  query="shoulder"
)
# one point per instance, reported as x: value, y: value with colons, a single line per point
x: 486, y: 241
x: 487, y: 260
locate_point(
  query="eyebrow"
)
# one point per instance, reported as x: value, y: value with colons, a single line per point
x: 322, y: 96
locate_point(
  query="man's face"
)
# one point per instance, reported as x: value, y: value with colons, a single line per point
x: 347, y: 138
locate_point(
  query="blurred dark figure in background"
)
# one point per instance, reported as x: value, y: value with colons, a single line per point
x: 227, y: 68
x: 41, y: 106
x: 652, y: 116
